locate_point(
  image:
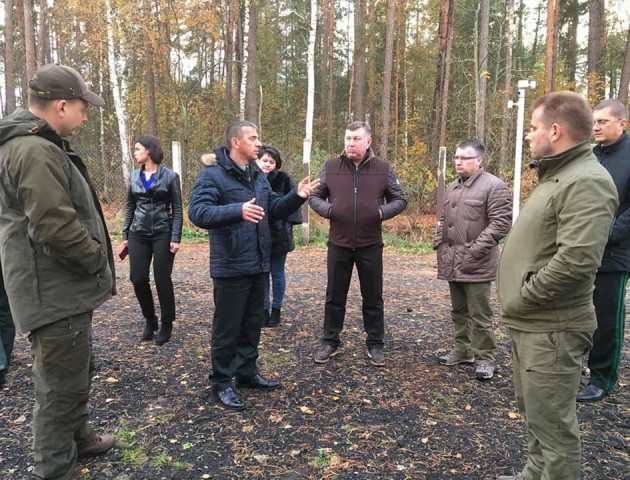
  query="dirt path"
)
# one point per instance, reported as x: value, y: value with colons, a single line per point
x: 412, y: 419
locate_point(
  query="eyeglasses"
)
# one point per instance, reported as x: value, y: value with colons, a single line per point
x: 603, y: 123
x: 462, y: 157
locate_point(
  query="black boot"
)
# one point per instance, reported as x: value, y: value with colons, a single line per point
x: 265, y: 321
x: 149, y: 329
x: 274, y: 318
x: 164, y: 335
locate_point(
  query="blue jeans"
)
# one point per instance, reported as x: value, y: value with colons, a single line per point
x: 278, y: 282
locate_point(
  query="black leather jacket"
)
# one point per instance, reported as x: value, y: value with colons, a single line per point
x: 158, y: 210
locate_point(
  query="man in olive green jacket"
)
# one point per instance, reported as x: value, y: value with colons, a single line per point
x: 56, y: 261
x: 545, y: 280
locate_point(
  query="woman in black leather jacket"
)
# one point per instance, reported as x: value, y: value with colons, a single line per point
x: 153, y: 229
x: 270, y: 162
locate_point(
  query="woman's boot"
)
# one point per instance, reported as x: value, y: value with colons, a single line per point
x: 274, y: 318
x: 150, y: 328
x: 164, y: 335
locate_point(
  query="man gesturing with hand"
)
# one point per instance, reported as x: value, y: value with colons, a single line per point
x: 233, y: 200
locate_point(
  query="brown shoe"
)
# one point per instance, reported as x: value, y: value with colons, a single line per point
x: 324, y: 353
x: 98, y: 444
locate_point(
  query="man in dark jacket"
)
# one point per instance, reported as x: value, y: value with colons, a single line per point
x: 57, y: 261
x: 233, y: 200
x: 610, y: 119
x: 477, y: 215
x: 545, y: 281
x: 358, y: 191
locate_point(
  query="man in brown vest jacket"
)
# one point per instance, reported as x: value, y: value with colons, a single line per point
x: 357, y: 192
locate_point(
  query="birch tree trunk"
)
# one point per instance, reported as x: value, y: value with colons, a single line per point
x: 150, y: 29
x: 244, y: 64
x: 114, y: 76
x: 387, y: 76
x: 310, y: 107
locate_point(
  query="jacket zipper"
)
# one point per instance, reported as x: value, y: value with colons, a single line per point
x: 354, y: 207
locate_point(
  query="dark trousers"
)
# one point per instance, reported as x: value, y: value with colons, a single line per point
x: 609, y: 298
x: 369, y: 262
x: 141, y: 250
x: 238, y: 316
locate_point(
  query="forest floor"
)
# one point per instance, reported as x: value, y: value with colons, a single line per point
x: 412, y: 419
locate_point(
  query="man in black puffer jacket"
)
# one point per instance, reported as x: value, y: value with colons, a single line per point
x: 610, y: 119
x: 233, y: 200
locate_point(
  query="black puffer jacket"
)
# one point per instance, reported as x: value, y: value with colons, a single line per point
x: 158, y: 210
x: 282, y: 230
x: 616, y: 159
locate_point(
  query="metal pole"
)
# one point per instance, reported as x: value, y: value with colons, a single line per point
x: 518, y: 154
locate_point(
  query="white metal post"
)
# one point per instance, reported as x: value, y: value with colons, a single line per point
x: 176, y: 148
x: 518, y: 154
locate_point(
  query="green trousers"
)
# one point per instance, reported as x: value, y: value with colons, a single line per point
x: 7, y: 328
x: 547, y: 368
x: 61, y: 373
x: 472, y: 321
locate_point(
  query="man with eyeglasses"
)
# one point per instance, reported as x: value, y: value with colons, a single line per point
x: 610, y: 119
x: 477, y: 215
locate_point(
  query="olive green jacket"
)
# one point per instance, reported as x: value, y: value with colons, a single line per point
x: 549, y: 260
x: 54, y: 248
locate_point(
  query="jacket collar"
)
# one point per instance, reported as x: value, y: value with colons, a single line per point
x: 551, y: 165
x: 369, y: 155
x: 600, y: 149
x: 468, y: 181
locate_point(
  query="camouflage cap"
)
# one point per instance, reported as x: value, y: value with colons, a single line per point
x: 54, y: 81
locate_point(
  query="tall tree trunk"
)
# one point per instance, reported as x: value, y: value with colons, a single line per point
x: 387, y: 76
x: 244, y: 63
x: 229, y: 60
x: 551, y: 55
x: 29, y: 39
x: 9, y: 59
x: 310, y: 107
x: 372, y: 76
x: 330, y: 103
x: 251, y: 92
x: 625, y: 73
x: 149, y: 36
x: 572, y: 41
x: 114, y: 77
x: 21, y: 67
x: 596, y: 33
x: 43, y: 46
x: 358, y: 99
x: 507, y: 87
x: 482, y: 73
x: 442, y: 80
x: 536, y: 28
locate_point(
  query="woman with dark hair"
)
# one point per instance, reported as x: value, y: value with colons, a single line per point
x: 270, y: 162
x: 153, y: 229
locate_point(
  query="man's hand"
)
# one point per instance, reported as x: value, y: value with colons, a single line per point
x: 305, y: 187
x: 251, y: 212
x: 174, y: 247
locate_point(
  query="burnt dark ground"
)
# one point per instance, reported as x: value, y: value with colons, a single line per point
x: 412, y: 419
